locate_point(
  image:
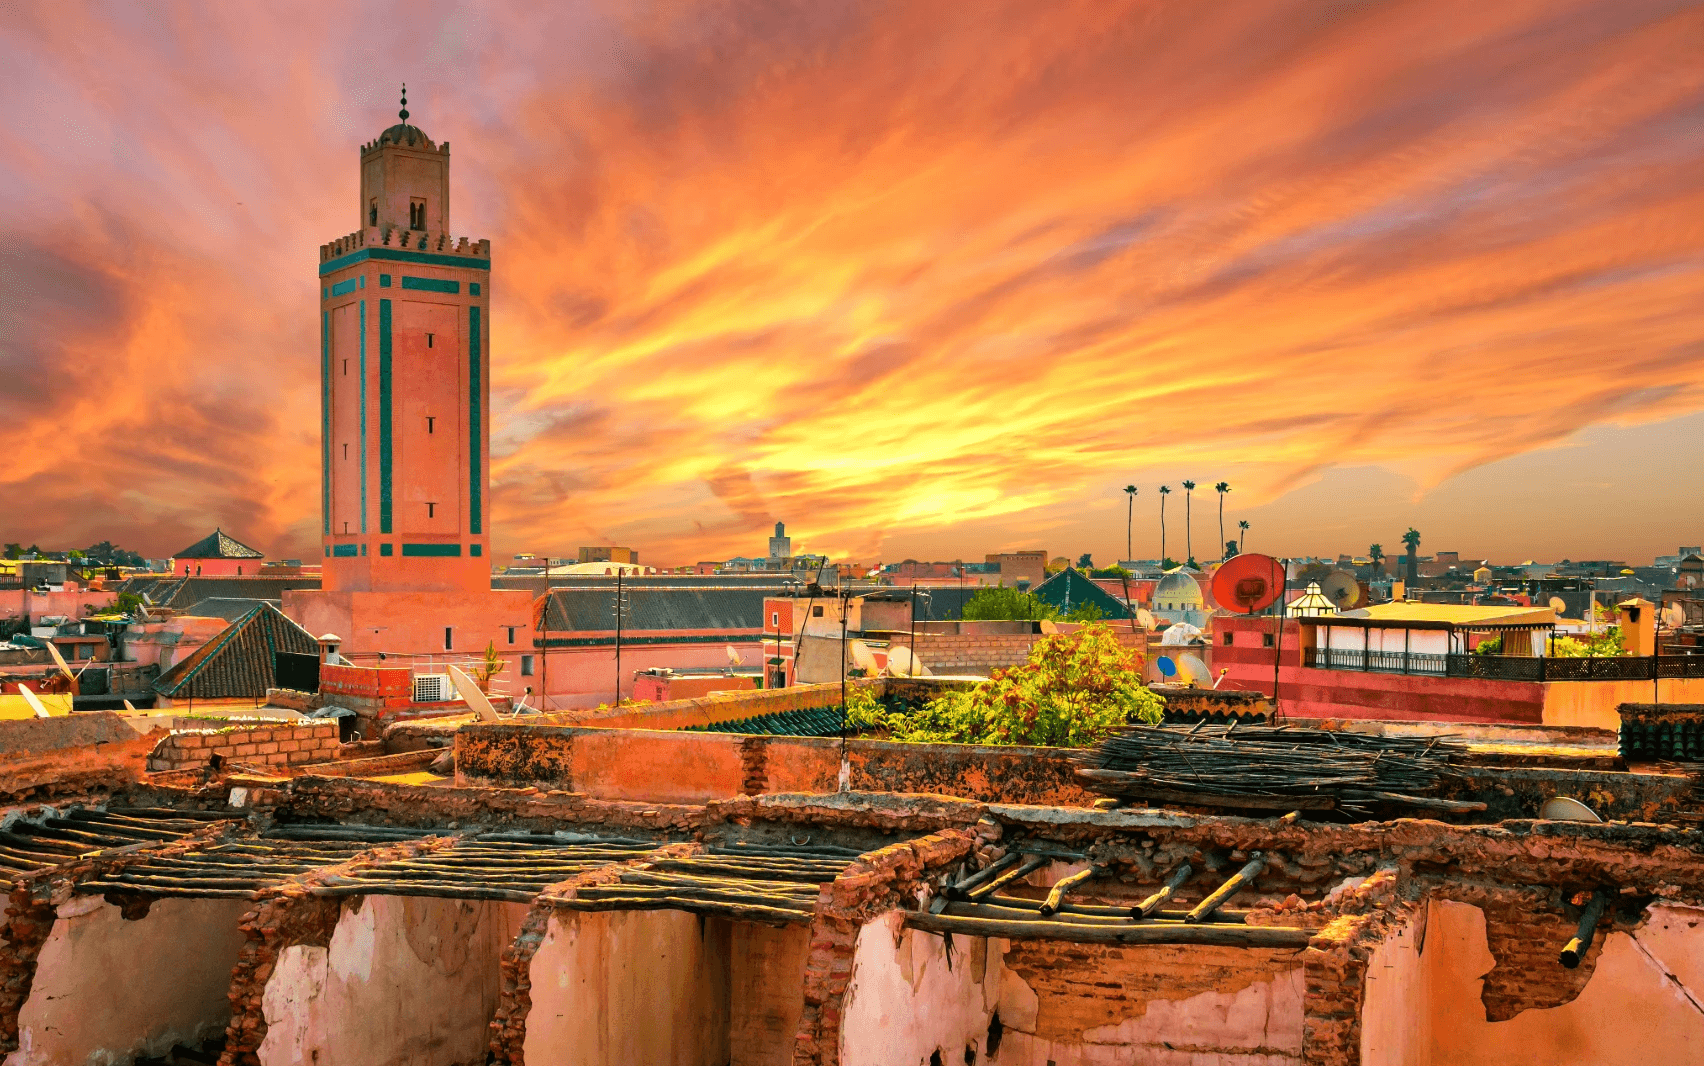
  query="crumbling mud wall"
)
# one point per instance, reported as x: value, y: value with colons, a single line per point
x: 111, y: 983
x: 84, y: 755
x: 1426, y: 995
x: 401, y: 979
x: 630, y: 987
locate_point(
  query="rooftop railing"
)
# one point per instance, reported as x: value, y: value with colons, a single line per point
x: 1509, y: 667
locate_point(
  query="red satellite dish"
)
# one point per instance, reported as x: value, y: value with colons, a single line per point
x: 1248, y: 583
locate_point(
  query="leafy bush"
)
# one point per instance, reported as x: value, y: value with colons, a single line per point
x: 1086, y: 612
x: 1001, y: 603
x: 1075, y: 689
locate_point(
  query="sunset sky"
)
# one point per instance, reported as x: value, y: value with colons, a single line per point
x: 920, y: 279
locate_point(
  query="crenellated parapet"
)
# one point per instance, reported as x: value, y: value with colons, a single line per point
x: 398, y: 237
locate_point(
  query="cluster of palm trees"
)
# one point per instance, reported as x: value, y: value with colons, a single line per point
x: 1230, y: 547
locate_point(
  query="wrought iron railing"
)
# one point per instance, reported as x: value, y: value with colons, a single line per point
x: 1508, y: 667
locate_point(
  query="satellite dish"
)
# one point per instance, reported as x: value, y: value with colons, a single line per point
x: 1166, y: 666
x: 1564, y: 809
x: 469, y: 692
x: 902, y: 662
x: 1341, y: 588
x: 1194, y: 669
x: 59, y: 660
x: 864, y: 658
x: 35, y: 704
x: 734, y: 657
x: 1145, y: 619
x: 1248, y: 583
x: 1558, y: 604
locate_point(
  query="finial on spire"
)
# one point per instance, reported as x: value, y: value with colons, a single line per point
x: 403, y: 114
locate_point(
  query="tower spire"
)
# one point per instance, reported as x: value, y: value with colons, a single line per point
x: 403, y: 114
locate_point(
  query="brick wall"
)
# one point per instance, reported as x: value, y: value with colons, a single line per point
x: 275, y: 744
x: 362, y: 682
x: 983, y: 653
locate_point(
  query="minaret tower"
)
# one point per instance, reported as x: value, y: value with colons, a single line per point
x: 405, y: 373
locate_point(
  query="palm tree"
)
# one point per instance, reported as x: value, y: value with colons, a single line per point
x: 1129, y: 521
x: 1165, y: 490
x: 1412, y: 539
x: 1375, y: 552
x: 1242, y: 535
x: 1221, y: 488
x: 1189, y: 522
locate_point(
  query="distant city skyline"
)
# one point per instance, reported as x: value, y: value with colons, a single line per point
x: 917, y: 284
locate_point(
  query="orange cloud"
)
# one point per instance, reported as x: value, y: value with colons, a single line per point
x: 885, y: 270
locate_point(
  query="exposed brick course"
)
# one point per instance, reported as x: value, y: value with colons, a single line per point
x: 268, y: 745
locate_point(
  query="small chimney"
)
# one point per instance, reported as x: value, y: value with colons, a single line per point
x: 328, y: 649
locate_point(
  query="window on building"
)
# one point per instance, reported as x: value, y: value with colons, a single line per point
x: 431, y: 423
x: 775, y: 619
x: 1227, y: 640
x: 1266, y: 640
x: 816, y: 612
x: 417, y: 214
x: 431, y: 510
x: 428, y: 340
x: 511, y: 634
x: 373, y: 211
x: 526, y: 666
x: 448, y: 633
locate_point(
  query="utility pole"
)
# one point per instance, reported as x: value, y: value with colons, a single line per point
x: 620, y: 609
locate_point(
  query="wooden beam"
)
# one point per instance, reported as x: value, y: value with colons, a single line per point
x: 1239, y: 880
x: 1246, y: 936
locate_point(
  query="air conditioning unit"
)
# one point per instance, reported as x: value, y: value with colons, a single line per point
x: 433, y: 688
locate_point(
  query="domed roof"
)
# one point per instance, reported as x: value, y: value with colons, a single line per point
x: 402, y: 133
x: 1178, y: 585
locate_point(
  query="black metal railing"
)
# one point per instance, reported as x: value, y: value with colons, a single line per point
x: 1508, y: 667
x: 1381, y: 662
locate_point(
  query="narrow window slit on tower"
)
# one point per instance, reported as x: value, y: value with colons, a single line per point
x: 346, y: 368
x: 431, y: 510
x: 430, y: 420
x: 447, y: 634
x: 428, y: 340
x: 346, y: 451
x: 373, y: 212
x: 417, y: 214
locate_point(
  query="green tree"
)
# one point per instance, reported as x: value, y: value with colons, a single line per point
x: 1086, y: 612
x: 1242, y: 535
x: 1075, y: 689
x: 1412, y: 539
x: 1085, y: 562
x: 1129, y: 522
x: 1375, y: 552
x: 14, y: 549
x: 1002, y: 603
x: 1221, y: 488
x: 1189, y: 522
x: 1165, y: 490
x: 1231, y: 549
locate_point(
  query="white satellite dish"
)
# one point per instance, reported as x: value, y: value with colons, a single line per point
x: 1558, y: 605
x: 468, y: 691
x: 864, y: 658
x: 1564, y: 809
x: 1145, y: 619
x: 1193, y: 669
x: 902, y: 662
x: 734, y: 656
x: 59, y: 660
x: 35, y: 704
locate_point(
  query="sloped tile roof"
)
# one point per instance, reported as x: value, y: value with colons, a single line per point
x: 238, y: 663
x: 1069, y: 590
x: 812, y: 722
x: 219, y: 545
x: 654, y: 608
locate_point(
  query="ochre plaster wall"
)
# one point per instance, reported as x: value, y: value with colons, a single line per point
x: 1593, y: 703
x: 405, y: 979
x: 628, y: 987
x: 107, y: 989
x: 1641, y: 1005
x: 1067, y: 1004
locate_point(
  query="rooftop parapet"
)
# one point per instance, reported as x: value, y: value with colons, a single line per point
x: 398, y: 237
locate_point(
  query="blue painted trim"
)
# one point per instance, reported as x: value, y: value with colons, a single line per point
x: 387, y: 549
x: 363, y: 280
x: 343, y: 288
x: 475, y: 422
x: 431, y: 284
x: 435, y: 550
x: 384, y: 281
x: 343, y: 551
x: 325, y: 294
x: 328, y: 551
x: 363, y: 417
x: 476, y: 550
x: 473, y: 288
x: 396, y: 255
x: 325, y: 418
x: 363, y: 548
x: 384, y: 416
